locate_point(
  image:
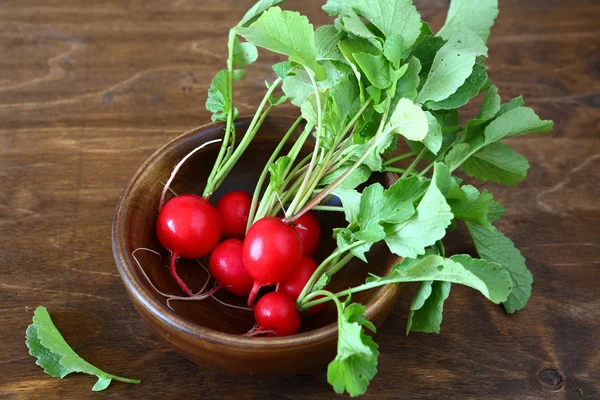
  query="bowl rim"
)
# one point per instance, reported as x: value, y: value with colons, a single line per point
x: 160, y: 311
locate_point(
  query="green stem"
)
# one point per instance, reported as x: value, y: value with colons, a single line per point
x: 400, y: 157
x: 265, y: 171
x: 327, y: 296
x: 414, y: 163
x: 328, y: 208
x: 208, y: 190
x: 321, y: 268
x: 380, y: 135
x: 339, y: 264
x: 252, y: 129
x: 298, y: 198
x: 126, y: 380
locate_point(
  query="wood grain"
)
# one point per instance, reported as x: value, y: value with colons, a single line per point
x: 89, y: 89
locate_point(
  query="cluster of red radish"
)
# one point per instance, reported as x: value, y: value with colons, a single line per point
x: 272, y: 252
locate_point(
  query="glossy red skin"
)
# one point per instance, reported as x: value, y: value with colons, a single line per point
x: 293, y: 285
x: 277, y: 312
x: 272, y: 250
x: 227, y: 267
x: 189, y: 226
x: 234, y: 208
x: 310, y: 231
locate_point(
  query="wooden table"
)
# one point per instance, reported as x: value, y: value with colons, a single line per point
x: 89, y: 89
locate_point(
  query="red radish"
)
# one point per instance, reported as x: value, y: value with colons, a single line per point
x: 190, y: 227
x: 293, y: 285
x: 234, y: 208
x: 310, y: 231
x: 227, y: 267
x: 277, y: 314
x: 272, y: 250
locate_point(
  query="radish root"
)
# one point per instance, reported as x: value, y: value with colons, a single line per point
x: 200, y: 295
x: 176, y: 169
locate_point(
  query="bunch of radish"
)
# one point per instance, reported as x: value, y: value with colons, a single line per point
x: 272, y: 253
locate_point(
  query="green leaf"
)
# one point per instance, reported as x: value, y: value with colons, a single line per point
x: 476, y: 15
x: 359, y: 176
x: 452, y: 65
x: 495, y: 212
x: 394, y: 50
x: 493, y: 246
x: 406, y: 87
x: 498, y: 163
x: 490, y: 105
x: 391, y: 17
x: 277, y: 171
x: 465, y: 92
x: 456, y: 154
x: 489, y: 278
x: 474, y: 208
x: 55, y: 356
x: 327, y: 38
x: 46, y: 359
x: 376, y: 68
x: 218, y: 101
x: 433, y: 140
x: 356, y: 361
x: 243, y: 53
x: 256, y: 11
x: 447, y: 185
x: 309, y: 107
x: 518, y: 121
x: 512, y: 104
x: 425, y: 51
x: 369, y: 213
x: 288, y: 33
x: 283, y: 69
x: 409, y: 120
x: 350, y: 199
x: 427, y: 307
x: 433, y: 216
x: 353, y: 24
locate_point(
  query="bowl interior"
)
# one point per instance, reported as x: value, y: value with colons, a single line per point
x: 140, y: 207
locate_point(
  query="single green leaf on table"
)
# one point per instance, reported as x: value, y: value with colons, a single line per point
x: 243, y: 53
x: 256, y: 11
x: 433, y: 216
x: 476, y: 15
x: 498, y: 163
x: 493, y: 246
x: 427, y: 307
x: 489, y: 278
x: 356, y: 361
x: 56, y: 357
x: 288, y: 33
x: 469, y: 89
x: 452, y: 65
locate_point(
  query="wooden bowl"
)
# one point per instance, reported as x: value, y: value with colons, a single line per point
x: 208, y: 332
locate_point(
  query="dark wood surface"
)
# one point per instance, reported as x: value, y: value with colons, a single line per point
x: 89, y: 89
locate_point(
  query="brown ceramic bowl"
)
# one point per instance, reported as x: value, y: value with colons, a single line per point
x: 207, y: 332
